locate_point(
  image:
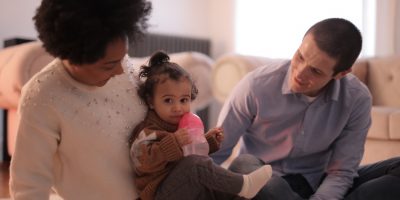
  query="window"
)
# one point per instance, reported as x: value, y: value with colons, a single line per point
x: 275, y: 28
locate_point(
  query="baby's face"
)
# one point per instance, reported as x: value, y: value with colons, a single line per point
x: 172, y: 99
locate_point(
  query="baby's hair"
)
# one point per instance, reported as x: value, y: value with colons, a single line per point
x: 159, y: 66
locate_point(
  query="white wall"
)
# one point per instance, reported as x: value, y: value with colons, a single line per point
x: 180, y: 17
x: 212, y: 19
x: 207, y: 19
x: 222, y: 14
x: 16, y: 19
x: 386, y: 35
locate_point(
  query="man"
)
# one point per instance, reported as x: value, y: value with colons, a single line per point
x: 308, y: 118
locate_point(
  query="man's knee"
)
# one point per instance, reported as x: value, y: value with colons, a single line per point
x: 245, y: 163
x: 277, y: 188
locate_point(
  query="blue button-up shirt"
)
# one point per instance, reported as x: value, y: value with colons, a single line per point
x: 296, y: 135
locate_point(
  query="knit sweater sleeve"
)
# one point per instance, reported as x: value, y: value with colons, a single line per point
x: 37, y: 139
x: 152, y: 150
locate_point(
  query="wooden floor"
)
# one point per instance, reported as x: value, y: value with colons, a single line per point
x: 4, y: 176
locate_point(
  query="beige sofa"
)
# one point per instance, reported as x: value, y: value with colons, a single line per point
x: 381, y: 75
x: 19, y: 63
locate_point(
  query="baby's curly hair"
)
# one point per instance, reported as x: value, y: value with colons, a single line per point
x: 80, y: 30
x: 160, y: 66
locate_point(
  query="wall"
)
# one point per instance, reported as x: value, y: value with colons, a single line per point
x: 222, y: 14
x: 199, y: 18
x: 16, y: 19
x: 196, y: 18
x: 387, y: 28
x: 173, y: 16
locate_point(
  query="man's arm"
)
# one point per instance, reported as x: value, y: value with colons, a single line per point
x: 235, y: 117
x: 347, y: 153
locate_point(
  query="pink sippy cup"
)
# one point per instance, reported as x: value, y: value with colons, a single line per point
x: 195, y: 127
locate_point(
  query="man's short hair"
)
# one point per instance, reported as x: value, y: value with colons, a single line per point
x: 340, y: 39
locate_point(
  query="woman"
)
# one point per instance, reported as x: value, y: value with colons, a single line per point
x: 77, y: 113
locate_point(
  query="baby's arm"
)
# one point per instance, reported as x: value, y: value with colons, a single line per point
x: 152, y: 150
x: 214, y: 137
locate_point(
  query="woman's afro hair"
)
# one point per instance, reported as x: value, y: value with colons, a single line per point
x: 80, y: 30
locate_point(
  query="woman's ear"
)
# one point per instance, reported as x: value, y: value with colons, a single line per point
x: 149, y: 102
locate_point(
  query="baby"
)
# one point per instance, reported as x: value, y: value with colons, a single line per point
x: 161, y: 169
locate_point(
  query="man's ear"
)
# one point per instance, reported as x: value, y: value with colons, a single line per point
x: 341, y: 74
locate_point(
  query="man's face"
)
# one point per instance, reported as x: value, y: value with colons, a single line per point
x: 311, y: 68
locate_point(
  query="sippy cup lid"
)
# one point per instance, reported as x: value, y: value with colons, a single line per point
x: 190, y: 120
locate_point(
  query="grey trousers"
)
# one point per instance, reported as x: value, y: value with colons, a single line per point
x: 378, y: 181
x: 197, y: 177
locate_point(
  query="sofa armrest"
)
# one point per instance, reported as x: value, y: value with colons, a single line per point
x: 230, y: 69
x: 385, y: 123
x: 17, y: 65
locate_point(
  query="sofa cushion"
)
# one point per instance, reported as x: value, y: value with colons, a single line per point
x: 230, y: 69
x: 384, y: 81
x: 380, y: 123
x: 385, y: 123
x: 378, y: 150
x: 360, y: 69
x: 394, y: 124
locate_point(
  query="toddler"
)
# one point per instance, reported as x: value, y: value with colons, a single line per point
x: 161, y: 169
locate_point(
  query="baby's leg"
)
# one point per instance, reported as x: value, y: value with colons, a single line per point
x: 196, y: 174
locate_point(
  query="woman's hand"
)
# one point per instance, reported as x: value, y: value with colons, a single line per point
x: 182, y: 137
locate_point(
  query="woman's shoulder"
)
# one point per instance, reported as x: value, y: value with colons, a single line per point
x: 43, y: 82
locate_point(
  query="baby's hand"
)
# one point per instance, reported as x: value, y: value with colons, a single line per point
x: 182, y: 137
x: 218, y: 133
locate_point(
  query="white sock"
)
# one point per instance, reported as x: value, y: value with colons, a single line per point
x: 253, y: 182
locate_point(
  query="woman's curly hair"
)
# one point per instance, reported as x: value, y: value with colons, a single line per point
x: 158, y: 68
x: 80, y: 30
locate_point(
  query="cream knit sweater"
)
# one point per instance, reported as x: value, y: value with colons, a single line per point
x: 74, y: 138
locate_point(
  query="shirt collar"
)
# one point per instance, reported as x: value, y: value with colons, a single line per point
x: 331, y: 91
x: 334, y: 89
x: 285, y: 85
